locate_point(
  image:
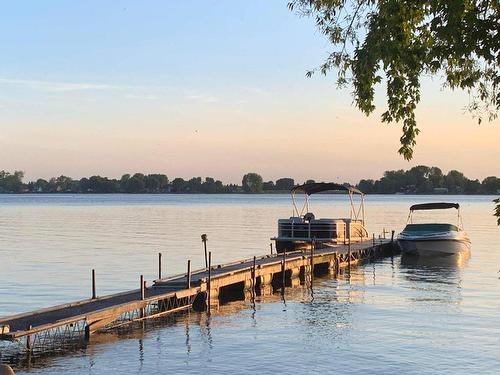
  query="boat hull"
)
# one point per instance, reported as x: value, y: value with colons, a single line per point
x: 434, y: 247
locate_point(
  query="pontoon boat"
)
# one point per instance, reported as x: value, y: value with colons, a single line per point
x: 298, y: 232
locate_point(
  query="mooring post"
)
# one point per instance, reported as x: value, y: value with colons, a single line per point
x: 28, y: 339
x: 349, y: 252
x: 283, y: 268
x: 159, y: 265
x: 141, y: 282
x: 209, y: 280
x: 271, y: 246
x: 313, y: 247
x: 188, y: 285
x: 93, y: 285
x: 204, y: 240
x: 392, y: 236
x: 254, y: 269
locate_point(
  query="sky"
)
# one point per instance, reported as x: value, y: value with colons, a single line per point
x: 203, y: 88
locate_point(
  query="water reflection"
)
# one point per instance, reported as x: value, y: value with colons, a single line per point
x: 434, y: 279
x: 450, y: 262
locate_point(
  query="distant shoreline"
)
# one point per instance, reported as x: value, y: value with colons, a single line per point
x: 420, y: 180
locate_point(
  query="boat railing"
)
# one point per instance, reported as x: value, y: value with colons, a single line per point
x: 308, y: 230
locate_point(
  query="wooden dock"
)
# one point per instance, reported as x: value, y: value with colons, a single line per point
x: 200, y: 290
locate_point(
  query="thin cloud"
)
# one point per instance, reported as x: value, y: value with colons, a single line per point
x: 55, y: 86
x: 203, y: 98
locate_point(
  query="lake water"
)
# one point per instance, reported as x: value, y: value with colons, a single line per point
x: 391, y: 316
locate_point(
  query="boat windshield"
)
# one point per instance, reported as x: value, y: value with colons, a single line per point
x: 431, y: 228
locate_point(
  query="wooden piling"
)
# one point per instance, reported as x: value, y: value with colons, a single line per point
x: 204, y: 240
x: 159, y: 265
x: 93, y: 285
x: 254, y: 270
x: 349, y: 252
x: 28, y: 339
x: 141, y: 284
x: 283, y: 268
x: 313, y: 245
x: 209, y: 280
x: 188, y: 284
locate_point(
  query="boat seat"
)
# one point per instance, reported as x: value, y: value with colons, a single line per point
x: 309, y: 217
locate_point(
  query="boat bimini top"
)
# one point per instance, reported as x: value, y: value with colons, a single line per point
x: 357, y: 212
x: 435, y: 206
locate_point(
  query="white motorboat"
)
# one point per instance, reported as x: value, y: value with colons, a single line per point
x: 434, y: 238
x: 298, y: 232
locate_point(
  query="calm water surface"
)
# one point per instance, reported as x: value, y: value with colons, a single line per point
x: 392, y: 316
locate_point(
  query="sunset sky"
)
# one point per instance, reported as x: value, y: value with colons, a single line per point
x: 202, y: 88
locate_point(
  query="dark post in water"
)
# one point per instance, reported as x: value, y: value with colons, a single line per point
x: 141, y: 282
x: 204, y: 240
x: 254, y: 268
x: 209, y: 280
x: 93, y: 285
x: 159, y: 265
x: 313, y: 245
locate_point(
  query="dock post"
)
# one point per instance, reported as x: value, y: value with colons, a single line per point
x: 254, y: 270
x: 392, y: 236
x: 313, y: 245
x: 93, y: 285
x: 188, y: 285
x: 283, y: 268
x: 349, y: 253
x: 28, y: 339
x: 204, y: 240
x: 209, y: 280
x: 159, y: 265
x: 141, y: 282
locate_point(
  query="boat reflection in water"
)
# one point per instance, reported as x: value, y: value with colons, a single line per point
x: 432, y: 281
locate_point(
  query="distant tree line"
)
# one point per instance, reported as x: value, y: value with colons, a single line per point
x: 425, y: 180
x: 417, y: 180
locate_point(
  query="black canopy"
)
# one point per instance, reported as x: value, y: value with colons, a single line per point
x: 434, y: 206
x: 318, y: 187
